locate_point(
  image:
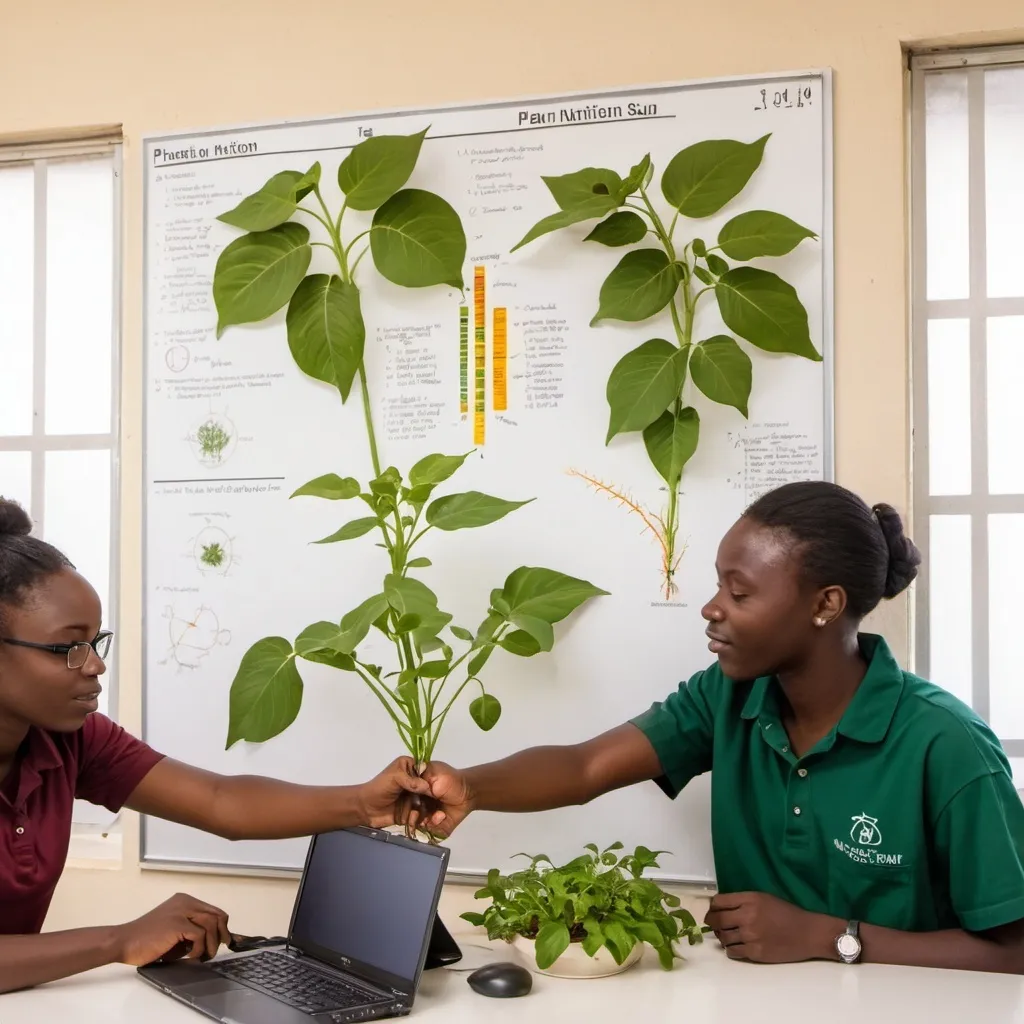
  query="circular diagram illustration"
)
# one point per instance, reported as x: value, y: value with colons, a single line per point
x: 214, y: 551
x: 193, y: 637
x: 213, y: 439
x: 177, y: 358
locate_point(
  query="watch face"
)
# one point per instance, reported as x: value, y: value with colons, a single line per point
x: 847, y: 945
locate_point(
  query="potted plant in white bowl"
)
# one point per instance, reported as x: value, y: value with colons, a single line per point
x: 586, y: 919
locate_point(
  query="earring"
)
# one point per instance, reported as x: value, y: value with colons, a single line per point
x: 819, y: 621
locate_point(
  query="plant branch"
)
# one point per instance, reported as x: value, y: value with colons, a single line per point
x: 326, y: 223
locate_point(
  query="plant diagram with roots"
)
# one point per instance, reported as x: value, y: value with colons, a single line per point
x: 193, y: 638
x: 213, y: 440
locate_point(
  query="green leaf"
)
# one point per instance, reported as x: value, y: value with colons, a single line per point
x: 623, y: 227
x: 258, y: 273
x: 356, y: 528
x: 546, y: 594
x: 417, y: 240
x: 435, y: 469
x: 641, y: 284
x: 425, y: 634
x: 722, y: 371
x: 764, y: 309
x: 671, y: 441
x: 462, y: 634
x: 760, y: 233
x: 356, y: 623
x: 273, y: 204
x: 479, y: 659
x: 409, y: 596
x: 700, y: 248
x: 702, y: 178
x: 434, y: 669
x: 330, y: 486
x: 485, y: 710
x: 498, y: 602
x: 594, y: 938
x: 618, y: 940
x: 642, y: 385
x: 326, y: 334
x: 596, y: 207
x: 639, y: 177
x: 407, y: 623
x: 420, y: 563
x: 537, y: 628
x: 314, y: 643
x: 377, y: 168
x: 469, y: 509
x: 266, y: 692
x: 716, y: 264
x: 552, y: 941
x: 520, y: 643
x: 408, y: 688
x: 473, y: 918
x: 581, y: 187
x: 488, y: 627
x: 703, y: 276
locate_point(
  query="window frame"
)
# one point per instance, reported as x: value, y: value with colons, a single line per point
x: 40, y: 150
x: 976, y: 309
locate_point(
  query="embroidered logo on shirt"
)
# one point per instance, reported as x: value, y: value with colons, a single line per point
x: 865, y: 831
x: 867, y: 837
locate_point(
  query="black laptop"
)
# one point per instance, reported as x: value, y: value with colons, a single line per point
x: 356, y: 944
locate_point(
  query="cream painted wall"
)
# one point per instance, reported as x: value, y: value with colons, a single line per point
x: 197, y: 63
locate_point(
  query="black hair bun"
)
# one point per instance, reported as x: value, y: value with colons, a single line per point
x: 904, y: 557
x: 14, y: 520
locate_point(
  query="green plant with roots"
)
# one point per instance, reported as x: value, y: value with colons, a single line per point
x: 212, y: 555
x: 651, y: 389
x: 415, y: 240
x: 212, y: 439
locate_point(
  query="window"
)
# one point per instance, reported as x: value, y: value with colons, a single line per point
x: 967, y: 212
x: 59, y: 325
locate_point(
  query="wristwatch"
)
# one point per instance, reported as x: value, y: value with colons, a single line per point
x: 848, y: 944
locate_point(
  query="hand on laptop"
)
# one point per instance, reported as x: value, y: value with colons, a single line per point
x: 449, y: 802
x: 390, y: 797
x: 197, y: 928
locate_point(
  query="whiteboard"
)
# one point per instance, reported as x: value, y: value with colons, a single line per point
x: 618, y: 653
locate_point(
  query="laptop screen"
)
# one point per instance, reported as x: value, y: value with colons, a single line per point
x: 369, y: 900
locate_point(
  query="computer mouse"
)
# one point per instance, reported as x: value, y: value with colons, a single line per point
x: 501, y: 981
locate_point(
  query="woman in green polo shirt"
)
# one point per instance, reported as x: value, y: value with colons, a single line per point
x: 858, y: 811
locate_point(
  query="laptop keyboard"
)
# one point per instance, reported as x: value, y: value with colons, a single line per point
x: 294, y: 982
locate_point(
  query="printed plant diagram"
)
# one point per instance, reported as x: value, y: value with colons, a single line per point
x: 651, y: 389
x: 213, y: 439
x: 213, y: 550
x: 193, y: 637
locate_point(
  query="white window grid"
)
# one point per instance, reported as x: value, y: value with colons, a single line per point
x: 976, y: 309
x: 40, y: 153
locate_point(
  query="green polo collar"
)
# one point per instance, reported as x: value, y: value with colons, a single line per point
x: 870, y: 713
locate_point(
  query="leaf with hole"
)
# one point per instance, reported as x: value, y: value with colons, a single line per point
x: 266, y: 692
x: 641, y: 284
x: 326, y: 333
x: 671, y: 441
x: 761, y: 233
x: 765, y: 310
x: 417, y: 240
x: 642, y: 385
x: 356, y: 528
x: 330, y: 486
x: 702, y: 178
x: 257, y: 274
x: 377, y: 168
x: 581, y: 187
x: 722, y: 371
x: 624, y: 227
x: 469, y: 510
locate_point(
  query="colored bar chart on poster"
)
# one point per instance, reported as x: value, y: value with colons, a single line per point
x: 479, y: 354
x: 463, y: 359
x: 499, y: 359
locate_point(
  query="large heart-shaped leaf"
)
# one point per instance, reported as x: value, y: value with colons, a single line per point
x: 596, y: 207
x: 582, y: 187
x: 702, y: 178
x: 326, y: 333
x: 266, y: 692
x: 722, y: 371
x: 377, y: 168
x: 671, y: 441
x: 330, y: 486
x: 469, y: 509
x: 485, y: 711
x: 435, y: 469
x: 551, y: 942
x: 274, y: 203
x: 258, y: 273
x: 642, y: 385
x: 761, y: 233
x: 623, y: 227
x: 356, y: 528
x: 641, y: 284
x: 546, y: 594
x: 417, y: 240
x: 315, y: 643
x: 766, y: 310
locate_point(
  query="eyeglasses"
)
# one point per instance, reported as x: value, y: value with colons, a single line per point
x: 77, y: 654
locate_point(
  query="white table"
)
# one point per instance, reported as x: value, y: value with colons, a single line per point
x: 707, y: 988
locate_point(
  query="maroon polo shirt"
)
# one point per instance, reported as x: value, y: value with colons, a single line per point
x: 100, y: 763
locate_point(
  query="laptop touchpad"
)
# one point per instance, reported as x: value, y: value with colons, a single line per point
x: 246, y: 1007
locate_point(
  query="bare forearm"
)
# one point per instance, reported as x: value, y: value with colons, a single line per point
x: 542, y: 778
x: 29, y: 960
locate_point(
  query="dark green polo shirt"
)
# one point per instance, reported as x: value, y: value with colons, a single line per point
x: 905, y: 815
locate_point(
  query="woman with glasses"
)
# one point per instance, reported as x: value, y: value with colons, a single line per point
x: 55, y: 747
